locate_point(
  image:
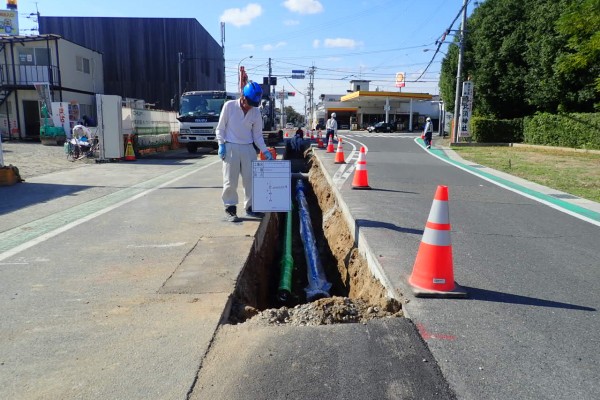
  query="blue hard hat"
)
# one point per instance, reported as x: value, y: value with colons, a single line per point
x: 253, y: 93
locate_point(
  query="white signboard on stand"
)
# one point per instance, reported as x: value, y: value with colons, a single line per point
x: 466, y: 109
x: 272, y: 186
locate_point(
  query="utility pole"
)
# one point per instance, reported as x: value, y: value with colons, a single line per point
x: 461, y: 50
x: 271, y: 98
x: 282, y: 116
x: 311, y: 87
x: 223, y: 47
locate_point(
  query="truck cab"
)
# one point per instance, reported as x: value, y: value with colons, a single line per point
x: 198, y: 116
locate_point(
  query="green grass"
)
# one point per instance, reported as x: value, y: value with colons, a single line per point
x: 576, y: 173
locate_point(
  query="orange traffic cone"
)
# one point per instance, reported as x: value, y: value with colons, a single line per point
x: 361, y: 177
x: 330, y: 146
x: 432, y: 274
x: 129, y: 153
x: 320, y: 143
x: 339, y: 154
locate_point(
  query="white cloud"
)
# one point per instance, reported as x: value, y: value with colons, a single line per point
x: 241, y: 16
x: 304, y: 6
x: 268, y: 47
x: 341, y: 42
x: 316, y: 43
x: 248, y: 46
x: 291, y: 22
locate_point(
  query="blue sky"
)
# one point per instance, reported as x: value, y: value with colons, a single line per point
x: 342, y: 39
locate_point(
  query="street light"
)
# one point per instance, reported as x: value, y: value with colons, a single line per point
x: 238, y: 71
x: 426, y: 50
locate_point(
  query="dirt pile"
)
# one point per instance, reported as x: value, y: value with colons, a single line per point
x: 326, y: 311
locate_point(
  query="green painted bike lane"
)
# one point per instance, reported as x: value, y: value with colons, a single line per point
x: 561, y: 205
x: 19, y: 238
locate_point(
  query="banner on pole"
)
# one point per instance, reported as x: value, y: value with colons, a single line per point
x: 400, y: 77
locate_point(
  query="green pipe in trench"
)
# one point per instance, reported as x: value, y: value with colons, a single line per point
x: 287, y: 262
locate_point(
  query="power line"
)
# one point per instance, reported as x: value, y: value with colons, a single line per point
x: 443, y: 37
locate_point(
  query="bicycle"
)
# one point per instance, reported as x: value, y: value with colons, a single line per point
x: 83, y: 143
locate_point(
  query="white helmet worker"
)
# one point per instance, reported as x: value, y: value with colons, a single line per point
x: 428, y: 119
x: 333, y: 115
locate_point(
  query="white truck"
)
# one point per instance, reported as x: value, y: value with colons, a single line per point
x: 198, y: 116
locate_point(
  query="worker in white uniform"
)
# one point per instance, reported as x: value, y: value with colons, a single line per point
x: 240, y: 126
x: 332, y: 127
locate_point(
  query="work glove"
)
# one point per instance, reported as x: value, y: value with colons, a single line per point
x: 268, y: 155
x: 221, y: 151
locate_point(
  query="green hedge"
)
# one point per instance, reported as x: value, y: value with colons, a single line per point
x: 577, y: 130
x: 488, y: 130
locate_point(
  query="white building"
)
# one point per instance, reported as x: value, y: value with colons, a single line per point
x: 74, y: 74
x: 361, y: 107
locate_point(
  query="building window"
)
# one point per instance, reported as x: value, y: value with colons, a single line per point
x: 34, y: 56
x: 83, y: 64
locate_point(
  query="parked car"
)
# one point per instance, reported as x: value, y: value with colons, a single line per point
x: 382, y: 127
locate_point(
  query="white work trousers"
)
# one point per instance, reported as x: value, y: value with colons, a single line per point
x: 238, y: 160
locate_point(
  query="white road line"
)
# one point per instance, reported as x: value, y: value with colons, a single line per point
x: 345, y: 170
x: 48, y: 235
x: 155, y: 246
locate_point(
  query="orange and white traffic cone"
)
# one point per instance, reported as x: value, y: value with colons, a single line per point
x: 361, y: 176
x: 339, y: 154
x: 433, y: 274
x: 330, y: 145
x: 129, y: 153
x: 320, y: 143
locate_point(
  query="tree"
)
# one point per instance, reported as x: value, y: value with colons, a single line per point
x: 544, y: 87
x: 522, y: 60
x: 448, y: 77
x: 496, y: 43
x: 580, y: 63
x: 292, y: 116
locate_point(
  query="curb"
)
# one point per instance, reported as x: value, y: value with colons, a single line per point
x: 361, y: 242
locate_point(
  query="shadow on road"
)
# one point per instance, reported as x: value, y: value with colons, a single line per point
x: 20, y: 196
x: 368, y: 223
x: 499, y: 297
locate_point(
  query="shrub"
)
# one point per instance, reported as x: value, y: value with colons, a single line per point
x: 576, y: 130
x: 489, y: 130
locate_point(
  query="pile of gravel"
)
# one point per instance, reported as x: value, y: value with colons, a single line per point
x: 326, y: 311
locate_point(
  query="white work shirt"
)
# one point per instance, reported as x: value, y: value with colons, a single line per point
x: 235, y: 127
x: 331, y: 124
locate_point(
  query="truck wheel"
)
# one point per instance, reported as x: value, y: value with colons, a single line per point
x: 192, y: 147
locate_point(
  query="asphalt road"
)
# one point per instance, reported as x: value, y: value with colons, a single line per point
x: 528, y: 328
x: 110, y: 290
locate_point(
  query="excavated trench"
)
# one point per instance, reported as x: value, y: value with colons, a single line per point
x: 355, y: 294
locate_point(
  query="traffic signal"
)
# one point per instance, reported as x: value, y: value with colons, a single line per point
x: 292, y: 94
